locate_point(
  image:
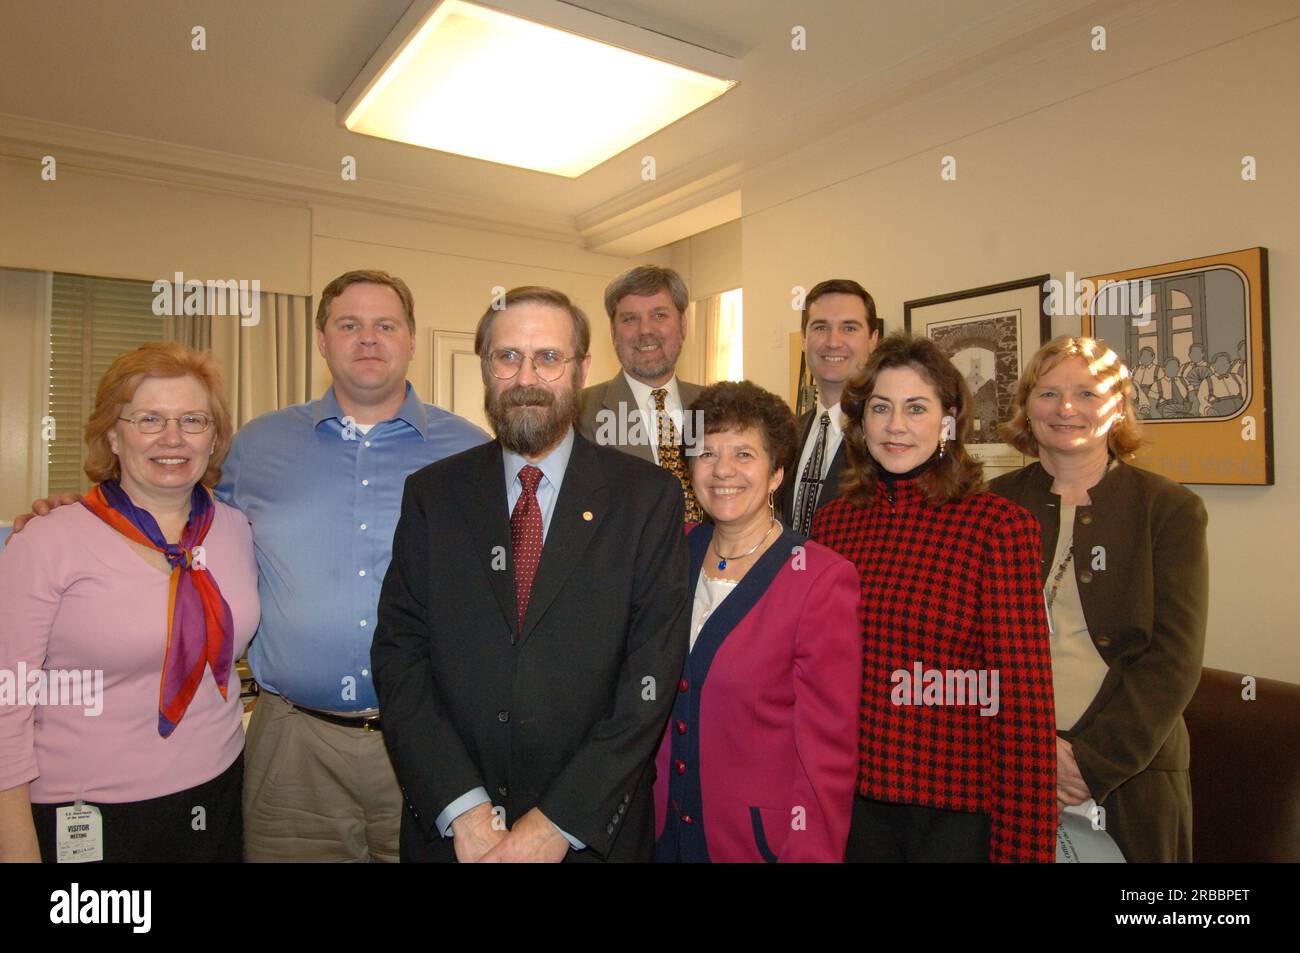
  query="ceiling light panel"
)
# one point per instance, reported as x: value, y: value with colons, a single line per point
x: 544, y: 85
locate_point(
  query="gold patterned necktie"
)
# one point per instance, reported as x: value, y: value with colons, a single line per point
x: 670, y: 455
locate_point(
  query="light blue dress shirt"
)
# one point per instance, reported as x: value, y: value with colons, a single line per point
x: 552, y: 466
x: 323, y: 500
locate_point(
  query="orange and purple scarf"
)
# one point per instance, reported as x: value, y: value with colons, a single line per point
x: 200, y: 629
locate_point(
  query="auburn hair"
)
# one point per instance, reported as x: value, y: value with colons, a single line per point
x: 164, y: 359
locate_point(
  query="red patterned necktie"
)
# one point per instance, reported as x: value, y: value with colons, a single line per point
x: 526, y: 539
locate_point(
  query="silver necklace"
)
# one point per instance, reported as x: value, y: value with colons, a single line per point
x: 722, y: 560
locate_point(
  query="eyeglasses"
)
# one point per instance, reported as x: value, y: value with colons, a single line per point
x: 156, y: 423
x: 548, y: 364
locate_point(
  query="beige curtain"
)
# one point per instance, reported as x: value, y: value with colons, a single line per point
x: 267, y: 365
x: 192, y: 330
x: 721, y: 317
x: 707, y: 311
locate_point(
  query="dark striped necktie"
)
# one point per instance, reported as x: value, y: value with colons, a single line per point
x: 810, y: 482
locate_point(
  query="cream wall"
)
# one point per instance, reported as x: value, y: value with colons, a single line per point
x: 1066, y: 162
x: 117, y: 226
x: 452, y: 271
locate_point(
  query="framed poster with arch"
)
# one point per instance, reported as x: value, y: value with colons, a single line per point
x: 1194, y: 335
x: 988, y: 333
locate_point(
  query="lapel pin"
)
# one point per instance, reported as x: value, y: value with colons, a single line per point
x: 586, y: 515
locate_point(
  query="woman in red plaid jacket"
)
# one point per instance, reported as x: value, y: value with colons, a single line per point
x: 958, y: 746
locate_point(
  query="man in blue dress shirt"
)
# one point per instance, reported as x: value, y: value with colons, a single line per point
x: 321, y: 484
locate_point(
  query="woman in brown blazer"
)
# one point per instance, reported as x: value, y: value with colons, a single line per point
x: 1125, y: 579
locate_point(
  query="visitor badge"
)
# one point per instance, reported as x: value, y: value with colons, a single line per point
x: 79, y: 833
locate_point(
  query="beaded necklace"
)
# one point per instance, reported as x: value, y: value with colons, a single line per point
x: 1056, y: 579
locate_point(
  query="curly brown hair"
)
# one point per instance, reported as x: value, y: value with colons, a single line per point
x: 739, y: 405
x: 954, y: 475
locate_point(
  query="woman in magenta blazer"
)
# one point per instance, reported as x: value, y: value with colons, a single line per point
x: 759, y: 758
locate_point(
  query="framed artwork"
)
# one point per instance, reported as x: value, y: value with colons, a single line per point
x: 1194, y: 336
x: 988, y: 333
x: 803, y: 391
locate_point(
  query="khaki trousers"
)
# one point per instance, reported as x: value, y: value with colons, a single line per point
x: 316, y: 792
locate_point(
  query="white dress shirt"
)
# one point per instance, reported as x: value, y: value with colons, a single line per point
x: 834, y: 435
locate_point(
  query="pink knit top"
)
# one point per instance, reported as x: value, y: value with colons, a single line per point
x: 76, y: 599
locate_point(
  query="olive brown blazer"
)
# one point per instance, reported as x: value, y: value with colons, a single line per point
x: 1143, y: 573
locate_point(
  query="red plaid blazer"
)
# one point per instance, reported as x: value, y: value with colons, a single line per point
x: 954, y: 587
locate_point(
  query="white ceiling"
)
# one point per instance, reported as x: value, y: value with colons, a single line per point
x: 266, y: 87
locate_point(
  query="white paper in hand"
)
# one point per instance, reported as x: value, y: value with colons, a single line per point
x: 1081, y: 839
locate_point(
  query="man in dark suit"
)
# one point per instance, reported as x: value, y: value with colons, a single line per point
x: 840, y: 330
x: 534, y: 621
x: 641, y: 410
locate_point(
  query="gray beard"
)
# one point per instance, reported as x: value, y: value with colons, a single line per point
x: 527, y: 425
x: 636, y: 366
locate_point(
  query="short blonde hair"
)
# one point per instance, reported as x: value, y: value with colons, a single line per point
x: 164, y: 359
x: 1124, y: 436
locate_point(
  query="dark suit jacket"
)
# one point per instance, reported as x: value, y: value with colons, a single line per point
x: 564, y: 715
x: 1143, y: 573
x: 616, y: 398
x: 830, y: 486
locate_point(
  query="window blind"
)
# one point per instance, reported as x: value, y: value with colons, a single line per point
x: 92, y: 321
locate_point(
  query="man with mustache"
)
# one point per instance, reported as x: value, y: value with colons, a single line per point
x: 522, y: 702
x: 840, y: 330
x: 641, y: 410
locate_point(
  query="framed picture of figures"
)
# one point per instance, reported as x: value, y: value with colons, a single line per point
x: 988, y: 333
x: 1194, y: 335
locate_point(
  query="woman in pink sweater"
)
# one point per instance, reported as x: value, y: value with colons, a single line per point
x: 120, y: 721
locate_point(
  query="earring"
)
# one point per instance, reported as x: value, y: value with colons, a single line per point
x: 771, y: 504
x: 942, y: 443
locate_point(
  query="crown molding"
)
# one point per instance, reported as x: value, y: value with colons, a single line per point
x: 149, y: 160
x: 612, y: 227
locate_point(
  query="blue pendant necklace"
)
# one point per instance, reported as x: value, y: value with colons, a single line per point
x: 722, y: 560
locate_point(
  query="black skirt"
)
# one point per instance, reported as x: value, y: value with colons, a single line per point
x: 202, y: 824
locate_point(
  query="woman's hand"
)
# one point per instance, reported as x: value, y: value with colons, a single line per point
x: 1071, y: 789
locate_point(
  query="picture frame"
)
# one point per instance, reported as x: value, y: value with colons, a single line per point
x: 1209, y: 420
x: 989, y: 333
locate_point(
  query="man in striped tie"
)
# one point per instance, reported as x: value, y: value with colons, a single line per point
x: 840, y: 330
x: 642, y: 411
